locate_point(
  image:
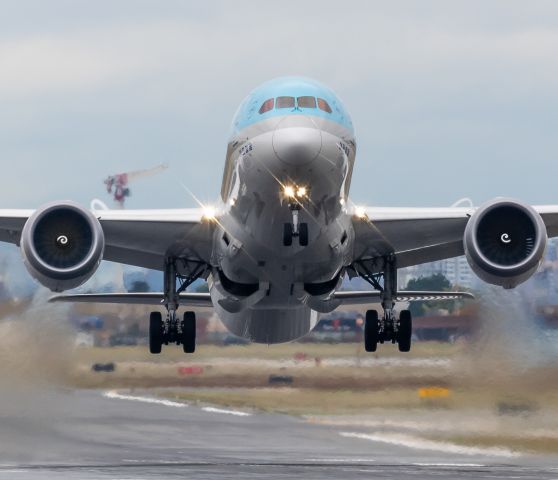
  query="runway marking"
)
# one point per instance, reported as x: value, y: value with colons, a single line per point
x: 340, y: 460
x: 134, y: 398
x: 238, y: 413
x: 472, y: 465
x: 424, y: 444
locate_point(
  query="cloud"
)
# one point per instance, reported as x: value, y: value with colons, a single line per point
x: 431, y: 85
x: 251, y: 44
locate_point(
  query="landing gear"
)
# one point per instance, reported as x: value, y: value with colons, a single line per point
x: 170, y: 330
x: 295, y: 229
x: 387, y: 328
x: 371, y: 331
x: 188, y: 332
x: 404, y: 331
x: 155, y: 332
x: 378, y: 332
x: 287, y: 234
x: 303, y: 234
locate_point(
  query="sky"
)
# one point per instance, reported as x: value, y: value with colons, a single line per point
x: 449, y: 99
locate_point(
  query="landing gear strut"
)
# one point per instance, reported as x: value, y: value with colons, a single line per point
x: 388, y: 328
x: 295, y: 229
x: 162, y: 332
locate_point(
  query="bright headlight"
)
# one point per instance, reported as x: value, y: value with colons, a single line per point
x: 289, y: 191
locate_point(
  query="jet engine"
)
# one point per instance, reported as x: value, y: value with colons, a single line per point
x: 505, y: 242
x: 62, y: 245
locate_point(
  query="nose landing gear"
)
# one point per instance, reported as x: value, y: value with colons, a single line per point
x: 295, y: 229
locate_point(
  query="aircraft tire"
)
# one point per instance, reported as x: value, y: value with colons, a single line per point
x: 405, y: 331
x: 155, y: 332
x: 371, y: 331
x: 189, y: 332
x: 287, y: 234
x: 303, y: 234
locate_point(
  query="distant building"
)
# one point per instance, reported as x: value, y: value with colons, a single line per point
x: 456, y: 270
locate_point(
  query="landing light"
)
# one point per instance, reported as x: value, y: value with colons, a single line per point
x: 301, y: 192
x: 360, y: 212
x: 289, y: 191
x: 209, y: 213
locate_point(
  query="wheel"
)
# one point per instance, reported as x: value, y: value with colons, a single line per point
x: 287, y: 234
x: 405, y: 331
x: 371, y: 331
x: 303, y: 234
x: 189, y: 332
x: 155, y: 332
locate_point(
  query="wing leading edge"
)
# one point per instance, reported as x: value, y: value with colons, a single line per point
x: 141, y: 238
x: 420, y: 235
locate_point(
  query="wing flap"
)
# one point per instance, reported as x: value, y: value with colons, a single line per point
x: 133, y: 298
x: 373, y: 296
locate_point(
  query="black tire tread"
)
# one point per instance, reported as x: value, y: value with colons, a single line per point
x: 303, y: 234
x: 371, y: 331
x: 405, y: 331
x: 189, y: 332
x: 287, y: 234
x: 155, y: 332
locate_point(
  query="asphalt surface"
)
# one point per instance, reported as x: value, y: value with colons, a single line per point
x: 59, y: 434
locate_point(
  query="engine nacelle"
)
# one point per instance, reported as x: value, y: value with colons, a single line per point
x: 62, y: 245
x: 505, y: 242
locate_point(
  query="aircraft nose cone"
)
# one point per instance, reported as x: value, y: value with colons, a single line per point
x: 297, y: 140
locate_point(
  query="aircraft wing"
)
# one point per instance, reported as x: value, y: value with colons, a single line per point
x: 137, y: 237
x: 11, y: 224
x: 420, y: 235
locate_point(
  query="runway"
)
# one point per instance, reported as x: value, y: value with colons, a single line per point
x: 68, y: 434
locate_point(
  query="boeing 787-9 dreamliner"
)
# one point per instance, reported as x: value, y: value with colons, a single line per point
x: 284, y: 233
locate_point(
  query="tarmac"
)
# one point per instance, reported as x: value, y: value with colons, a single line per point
x: 90, y: 434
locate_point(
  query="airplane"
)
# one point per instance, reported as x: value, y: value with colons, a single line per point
x: 283, y: 235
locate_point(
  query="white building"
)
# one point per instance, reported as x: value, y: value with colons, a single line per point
x: 456, y: 270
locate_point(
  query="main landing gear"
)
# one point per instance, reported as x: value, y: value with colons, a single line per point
x: 380, y: 331
x: 171, y: 330
x: 388, y: 328
x: 295, y: 229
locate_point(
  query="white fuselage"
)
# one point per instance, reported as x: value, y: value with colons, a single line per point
x: 262, y: 289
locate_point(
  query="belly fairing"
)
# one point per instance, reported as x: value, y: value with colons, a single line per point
x: 271, y: 326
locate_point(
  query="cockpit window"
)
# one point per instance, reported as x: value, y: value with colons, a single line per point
x: 267, y: 105
x: 306, y: 102
x: 285, y: 102
x: 323, y: 105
